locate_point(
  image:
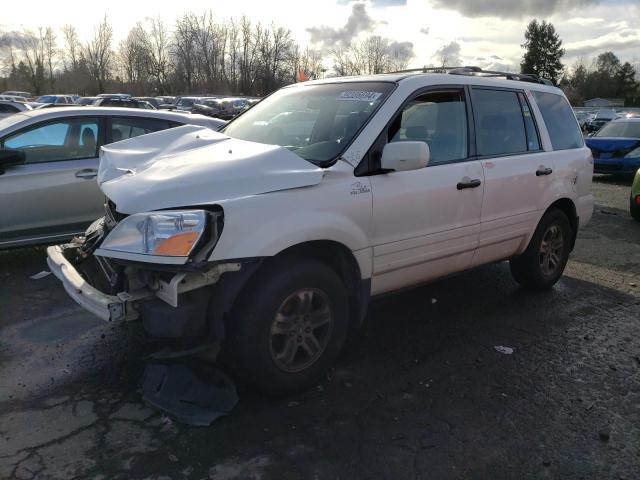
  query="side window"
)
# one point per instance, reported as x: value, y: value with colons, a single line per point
x: 68, y: 139
x: 560, y: 121
x: 500, y: 126
x: 438, y: 119
x: 123, y: 128
x: 533, y: 141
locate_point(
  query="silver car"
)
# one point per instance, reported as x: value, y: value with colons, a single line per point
x: 49, y: 161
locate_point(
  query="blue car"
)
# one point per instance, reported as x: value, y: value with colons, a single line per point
x: 616, y: 147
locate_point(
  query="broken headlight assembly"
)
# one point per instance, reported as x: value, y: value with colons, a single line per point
x: 169, y: 236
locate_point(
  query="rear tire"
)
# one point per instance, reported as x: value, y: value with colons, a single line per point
x: 544, y: 260
x: 288, y: 326
x: 634, y: 209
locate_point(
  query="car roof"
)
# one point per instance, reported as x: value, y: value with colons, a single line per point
x: 626, y: 119
x: 88, y: 111
x: 427, y: 79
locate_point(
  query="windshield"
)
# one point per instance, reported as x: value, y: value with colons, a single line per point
x: 46, y: 99
x: 620, y: 130
x: 316, y: 122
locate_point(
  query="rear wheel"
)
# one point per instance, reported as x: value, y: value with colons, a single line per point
x: 634, y: 208
x: 544, y: 260
x: 289, y: 325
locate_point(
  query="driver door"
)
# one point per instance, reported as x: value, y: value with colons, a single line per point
x: 54, y: 193
x: 426, y: 222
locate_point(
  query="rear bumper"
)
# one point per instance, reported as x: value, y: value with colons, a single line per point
x: 107, y: 307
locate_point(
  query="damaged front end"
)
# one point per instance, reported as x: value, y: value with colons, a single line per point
x: 151, y: 266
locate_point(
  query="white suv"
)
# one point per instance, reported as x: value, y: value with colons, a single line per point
x: 274, y: 237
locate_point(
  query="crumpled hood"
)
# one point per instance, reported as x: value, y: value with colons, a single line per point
x: 613, y: 144
x: 193, y: 165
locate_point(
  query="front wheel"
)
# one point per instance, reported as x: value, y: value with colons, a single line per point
x: 289, y: 325
x: 544, y: 260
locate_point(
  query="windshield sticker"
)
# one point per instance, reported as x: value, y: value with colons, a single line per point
x: 359, y: 96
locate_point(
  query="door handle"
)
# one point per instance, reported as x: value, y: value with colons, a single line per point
x: 87, y: 173
x: 468, y: 183
x: 544, y: 171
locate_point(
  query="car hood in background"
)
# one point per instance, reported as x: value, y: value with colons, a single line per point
x: 611, y: 145
x: 190, y: 166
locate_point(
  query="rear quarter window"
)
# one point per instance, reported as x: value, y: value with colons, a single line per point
x: 560, y: 121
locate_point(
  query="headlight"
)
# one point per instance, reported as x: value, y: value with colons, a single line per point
x: 168, y: 234
x: 633, y: 154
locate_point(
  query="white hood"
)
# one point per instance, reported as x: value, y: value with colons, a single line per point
x: 193, y: 165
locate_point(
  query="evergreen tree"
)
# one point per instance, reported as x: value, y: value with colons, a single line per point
x: 543, y: 51
x: 625, y: 82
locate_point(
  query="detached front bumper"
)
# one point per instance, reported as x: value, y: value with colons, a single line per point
x: 107, y: 307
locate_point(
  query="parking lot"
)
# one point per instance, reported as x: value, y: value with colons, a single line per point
x: 422, y: 394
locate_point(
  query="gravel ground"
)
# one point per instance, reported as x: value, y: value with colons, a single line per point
x: 422, y: 394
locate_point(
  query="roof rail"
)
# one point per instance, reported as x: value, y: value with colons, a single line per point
x: 479, y: 72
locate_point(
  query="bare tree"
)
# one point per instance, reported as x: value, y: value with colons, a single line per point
x: 72, y: 49
x: 134, y: 56
x: 98, y: 54
x: 159, y: 54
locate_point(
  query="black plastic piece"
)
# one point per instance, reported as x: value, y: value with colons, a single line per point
x: 470, y: 184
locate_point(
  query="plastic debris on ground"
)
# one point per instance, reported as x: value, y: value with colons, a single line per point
x: 40, y: 275
x: 504, y: 350
x: 192, y: 396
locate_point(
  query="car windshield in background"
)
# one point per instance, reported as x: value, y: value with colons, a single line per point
x: 620, y: 130
x: 46, y: 99
x: 316, y: 122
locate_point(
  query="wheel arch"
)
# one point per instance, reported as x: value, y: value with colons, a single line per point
x: 334, y: 254
x: 568, y: 207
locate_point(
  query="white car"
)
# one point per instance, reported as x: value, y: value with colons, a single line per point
x: 9, y: 107
x: 49, y: 162
x: 277, y: 247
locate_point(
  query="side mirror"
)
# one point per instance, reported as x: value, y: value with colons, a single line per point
x: 10, y: 157
x: 404, y: 156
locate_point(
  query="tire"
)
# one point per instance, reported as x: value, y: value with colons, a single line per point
x: 536, y: 270
x: 260, y: 347
x: 634, y: 209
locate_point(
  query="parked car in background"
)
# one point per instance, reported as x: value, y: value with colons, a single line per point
x: 114, y: 95
x: 86, y: 100
x: 634, y: 199
x: 55, y: 99
x: 12, y: 98
x: 211, y: 107
x: 123, y: 102
x: 166, y: 99
x: 49, y: 162
x: 9, y: 107
x: 185, y: 104
x: 152, y: 100
x: 274, y: 245
x: 15, y: 93
x: 601, y: 118
x: 616, y: 147
x: 583, y: 119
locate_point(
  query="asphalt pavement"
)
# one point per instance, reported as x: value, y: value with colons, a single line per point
x: 423, y: 393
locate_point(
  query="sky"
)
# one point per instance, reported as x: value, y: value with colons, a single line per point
x: 487, y: 33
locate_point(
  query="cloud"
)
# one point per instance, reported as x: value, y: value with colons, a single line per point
x: 508, y: 9
x: 14, y: 39
x: 424, y: 30
x: 401, y: 49
x: 359, y: 21
x: 379, y: 3
x: 449, y: 54
x: 591, y: 47
x: 496, y: 57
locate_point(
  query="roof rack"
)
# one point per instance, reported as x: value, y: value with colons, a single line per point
x: 479, y: 72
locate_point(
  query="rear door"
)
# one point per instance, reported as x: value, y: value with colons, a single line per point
x: 426, y: 222
x: 518, y: 173
x: 122, y: 128
x: 55, y: 191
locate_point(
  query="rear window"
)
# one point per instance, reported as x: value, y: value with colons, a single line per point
x: 620, y: 130
x: 561, y: 122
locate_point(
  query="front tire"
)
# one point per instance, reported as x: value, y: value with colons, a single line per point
x: 288, y: 325
x: 544, y: 260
